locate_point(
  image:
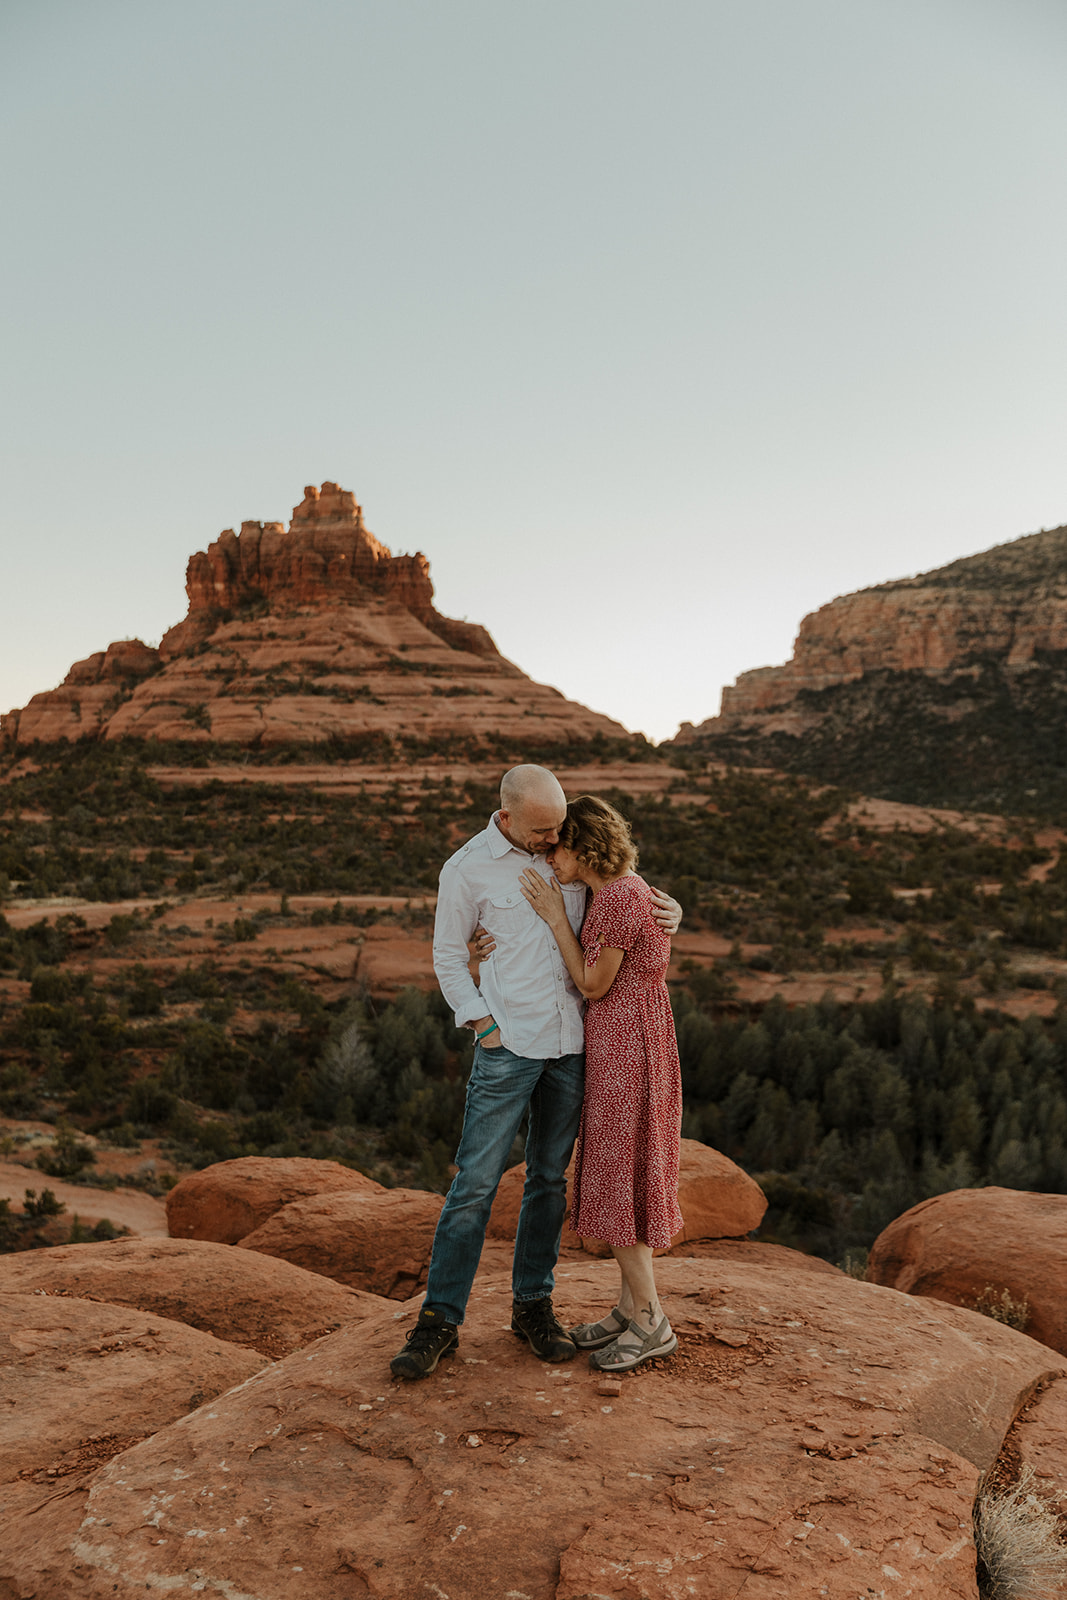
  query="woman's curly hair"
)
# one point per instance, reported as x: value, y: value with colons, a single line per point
x: 599, y: 836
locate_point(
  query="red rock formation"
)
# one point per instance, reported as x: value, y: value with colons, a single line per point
x: 230, y: 1199
x: 814, y: 1436
x: 1039, y: 1438
x: 717, y: 1200
x: 1008, y: 604
x: 71, y: 1368
x: 90, y: 693
x: 957, y: 1245
x: 376, y: 1242
x: 126, y: 659
x: 247, y: 1299
x: 751, y: 1252
x: 303, y: 635
x: 328, y: 557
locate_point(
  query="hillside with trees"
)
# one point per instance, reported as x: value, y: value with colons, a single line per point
x: 170, y: 974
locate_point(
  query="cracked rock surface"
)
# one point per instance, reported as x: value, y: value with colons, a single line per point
x: 379, y: 1243
x: 814, y: 1436
x: 247, y: 1299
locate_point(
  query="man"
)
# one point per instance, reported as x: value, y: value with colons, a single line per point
x: 526, y: 1016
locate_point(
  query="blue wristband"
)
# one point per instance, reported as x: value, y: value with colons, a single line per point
x: 478, y: 1037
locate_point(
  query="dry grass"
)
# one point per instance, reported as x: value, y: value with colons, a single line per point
x: 1000, y: 1305
x: 1020, y: 1554
x: 854, y: 1264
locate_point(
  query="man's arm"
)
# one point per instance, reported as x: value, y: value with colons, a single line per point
x: 455, y: 921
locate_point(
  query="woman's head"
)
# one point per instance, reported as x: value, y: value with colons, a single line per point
x: 598, y: 837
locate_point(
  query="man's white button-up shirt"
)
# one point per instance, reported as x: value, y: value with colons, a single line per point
x: 524, y: 985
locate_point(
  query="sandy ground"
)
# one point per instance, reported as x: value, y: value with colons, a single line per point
x: 335, y: 957
x: 1049, y: 839
x: 196, y: 912
x: 643, y: 777
x: 126, y: 1208
x: 884, y: 815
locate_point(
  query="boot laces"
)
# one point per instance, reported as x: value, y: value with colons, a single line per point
x: 423, y: 1336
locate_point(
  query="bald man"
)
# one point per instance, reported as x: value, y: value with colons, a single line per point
x: 526, y: 1016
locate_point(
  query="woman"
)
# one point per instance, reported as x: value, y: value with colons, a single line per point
x: 626, y: 1164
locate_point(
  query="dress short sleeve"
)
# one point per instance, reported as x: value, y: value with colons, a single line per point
x: 614, y: 920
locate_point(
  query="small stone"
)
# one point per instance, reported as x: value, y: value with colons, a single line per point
x: 609, y: 1386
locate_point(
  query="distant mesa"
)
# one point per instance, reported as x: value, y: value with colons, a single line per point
x: 948, y: 687
x: 302, y: 635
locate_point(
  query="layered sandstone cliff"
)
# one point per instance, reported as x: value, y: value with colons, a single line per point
x: 300, y: 635
x: 912, y: 683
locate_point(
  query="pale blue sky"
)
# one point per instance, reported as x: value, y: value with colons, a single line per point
x: 654, y: 325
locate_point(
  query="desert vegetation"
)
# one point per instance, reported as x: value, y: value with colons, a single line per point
x: 1021, y: 1555
x: 991, y: 740
x: 940, y: 1063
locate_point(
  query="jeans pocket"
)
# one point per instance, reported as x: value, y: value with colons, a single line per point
x: 493, y: 1056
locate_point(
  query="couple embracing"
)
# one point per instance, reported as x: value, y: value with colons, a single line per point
x: 550, y: 953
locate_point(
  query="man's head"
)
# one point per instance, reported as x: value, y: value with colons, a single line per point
x: 532, y: 808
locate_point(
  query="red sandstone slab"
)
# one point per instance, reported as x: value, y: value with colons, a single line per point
x: 813, y: 1436
x: 957, y: 1245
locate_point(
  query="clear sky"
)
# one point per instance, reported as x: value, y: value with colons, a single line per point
x: 654, y: 325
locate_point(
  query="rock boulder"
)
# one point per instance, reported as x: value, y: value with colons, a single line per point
x: 73, y: 1372
x: 247, y: 1299
x: 813, y: 1436
x: 717, y: 1200
x: 375, y: 1242
x: 229, y: 1200
x: 1039, y: 1439
x: 957, y: 1246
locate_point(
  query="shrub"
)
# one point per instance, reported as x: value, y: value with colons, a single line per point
x: 105, y: 1229
x: 67, y: 1156
x: 44, y: 1204
x: 1001, y: 1306
x: 150, y: 1102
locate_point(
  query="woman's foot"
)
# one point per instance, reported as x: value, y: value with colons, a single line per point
x: 594, y: 1335
x: 634, y: 1347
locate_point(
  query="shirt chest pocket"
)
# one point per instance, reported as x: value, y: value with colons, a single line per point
x: 506, y: 913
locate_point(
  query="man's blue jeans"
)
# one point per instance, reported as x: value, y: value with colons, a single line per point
x: 501, y: 1086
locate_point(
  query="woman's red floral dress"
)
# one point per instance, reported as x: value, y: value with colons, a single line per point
x: 626, y: 1167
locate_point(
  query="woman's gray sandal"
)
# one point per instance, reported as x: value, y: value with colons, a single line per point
x: 595, y: 1335
x: 623, y: 1358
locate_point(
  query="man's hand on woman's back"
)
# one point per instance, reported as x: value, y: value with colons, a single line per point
x: 666, y: 911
